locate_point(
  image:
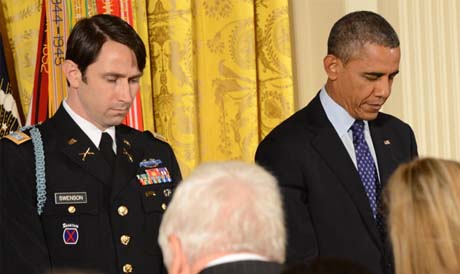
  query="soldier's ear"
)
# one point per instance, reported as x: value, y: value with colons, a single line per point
x: 72, y: 73
x: 332, y: 66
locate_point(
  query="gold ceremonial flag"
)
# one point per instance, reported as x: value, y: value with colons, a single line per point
x: 9, y: 115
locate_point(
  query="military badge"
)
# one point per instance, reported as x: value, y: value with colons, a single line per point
x: 70, y: 234
x: 18, y: 137
x: 167, y: 192
x: 150, y: 194
x: 144, y: 179
x: 128, y: 155
x: 158, y: 175
x: 150, y: 163
x: 126, y: 142
x: 85, y: 154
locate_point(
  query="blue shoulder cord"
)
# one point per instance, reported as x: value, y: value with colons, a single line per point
x: 39, y: 166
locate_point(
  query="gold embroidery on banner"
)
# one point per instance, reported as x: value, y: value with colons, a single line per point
x: 22, y: 24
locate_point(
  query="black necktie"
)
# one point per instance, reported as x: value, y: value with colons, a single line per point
x: 105, y: 147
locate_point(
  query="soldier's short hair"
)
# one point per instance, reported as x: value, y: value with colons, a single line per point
x: 89, y: 35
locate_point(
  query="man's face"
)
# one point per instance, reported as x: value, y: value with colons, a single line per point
x: 109, y: 86
x: 363, y: 84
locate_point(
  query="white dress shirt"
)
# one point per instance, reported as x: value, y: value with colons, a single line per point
x: 93, y: 133
x: 342, y: 121
x: 235, y: 258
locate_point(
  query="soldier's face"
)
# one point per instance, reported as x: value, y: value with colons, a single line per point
x: 109, y: 85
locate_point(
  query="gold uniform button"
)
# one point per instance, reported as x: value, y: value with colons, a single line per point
x: 122, y: 210
x: 124, y: 239
x: 127, y: 268
x: 71, y: 209
x: 164, y: 206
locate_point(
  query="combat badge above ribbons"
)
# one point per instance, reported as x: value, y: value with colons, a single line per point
x: 153, y: 174
x: 150, y: 163
x: 70, y: 234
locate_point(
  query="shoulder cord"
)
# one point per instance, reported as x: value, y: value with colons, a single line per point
x: 39, y: 167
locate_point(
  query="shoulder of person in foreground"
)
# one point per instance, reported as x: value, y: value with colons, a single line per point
x: 326, y: 265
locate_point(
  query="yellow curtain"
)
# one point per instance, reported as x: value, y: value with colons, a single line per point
x: 222, y: 75
x: 219, y: 77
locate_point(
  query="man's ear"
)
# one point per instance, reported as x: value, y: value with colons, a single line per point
x: 179, y: 263
x: 72, y: 73
x: 332, y: 66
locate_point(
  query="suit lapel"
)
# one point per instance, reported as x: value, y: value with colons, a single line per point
x: 128, y: 157
x: 383, y: 149
x: 79, y: 148
x: 331, y: 149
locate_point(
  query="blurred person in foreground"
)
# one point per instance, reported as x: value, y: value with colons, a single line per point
x: 82, y: 191
x: 333, y: 157
x: 326, y: 265
x: 71, y: 271
x: 423, y: 200
x: 224, y: 218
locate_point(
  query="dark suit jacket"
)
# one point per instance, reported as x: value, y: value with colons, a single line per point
x: 327, y: 210
x: 244, y: 267
x: 31, y: 243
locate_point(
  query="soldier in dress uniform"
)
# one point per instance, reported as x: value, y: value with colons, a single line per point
x: 82, y: 191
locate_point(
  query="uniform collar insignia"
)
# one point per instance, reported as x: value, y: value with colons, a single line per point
x: 86, y: 153
x: 128, y: 155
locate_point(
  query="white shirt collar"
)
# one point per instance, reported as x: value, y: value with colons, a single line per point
x: 235, y: 258
x: 93, y: 133
x: 340, y: 119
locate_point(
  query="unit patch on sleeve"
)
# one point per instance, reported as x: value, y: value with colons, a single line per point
x: 70, y: 234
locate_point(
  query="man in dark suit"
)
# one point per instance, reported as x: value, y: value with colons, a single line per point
x: 224, y: 218
x: 81, y: 191
x: 333, y: 157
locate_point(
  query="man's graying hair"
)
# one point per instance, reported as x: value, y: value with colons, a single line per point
x: 225, y: 207
x: 355, y: 29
